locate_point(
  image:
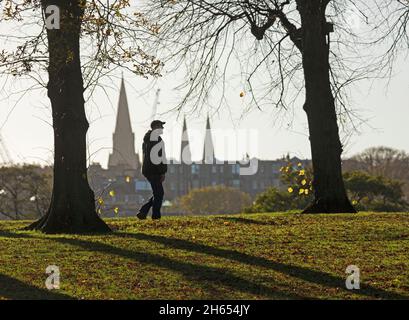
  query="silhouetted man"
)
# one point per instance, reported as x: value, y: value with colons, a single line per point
x: 154, y: 168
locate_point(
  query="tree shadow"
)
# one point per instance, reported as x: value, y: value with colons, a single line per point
x: 205, y: 276
x: 220, y: 275
x: 11, y: 288
x: 193, y: 272
x: 306, y: 274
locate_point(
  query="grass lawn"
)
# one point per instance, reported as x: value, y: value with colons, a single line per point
x: 257, y: 256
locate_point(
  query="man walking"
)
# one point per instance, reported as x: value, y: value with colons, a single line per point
x: 154, y: 168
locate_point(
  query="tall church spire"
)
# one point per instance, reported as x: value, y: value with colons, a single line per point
x: 123, y: 153
x: 208, y: 149
x: 185, y: 153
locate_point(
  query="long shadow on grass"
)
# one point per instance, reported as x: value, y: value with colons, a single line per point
x: 200, y: 274
x: 313, y: 276
x: 11, y: 288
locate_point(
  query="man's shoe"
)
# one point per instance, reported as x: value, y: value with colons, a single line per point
x: 141, y: 215
x: 155, y: 218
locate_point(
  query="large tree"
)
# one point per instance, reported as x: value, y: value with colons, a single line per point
x: 292, y: 41
x: 111, y: 38
x: 72, y: 205
x: 326, y: 148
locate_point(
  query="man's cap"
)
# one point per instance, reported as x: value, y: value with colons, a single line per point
x: 157, y: 124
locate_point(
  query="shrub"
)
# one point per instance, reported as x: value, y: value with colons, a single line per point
x: 297, y: 180
x: 213, y: 200
x: 367, y: 192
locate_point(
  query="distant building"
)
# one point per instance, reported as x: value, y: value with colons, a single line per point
x: 123, y: 151
x: 123, y: 188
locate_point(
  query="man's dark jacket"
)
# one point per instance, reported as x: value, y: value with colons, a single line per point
x: 149, y: 168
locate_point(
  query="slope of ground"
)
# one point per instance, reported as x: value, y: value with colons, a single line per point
x: 258, y: 256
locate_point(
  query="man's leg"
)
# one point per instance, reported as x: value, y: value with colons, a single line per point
x: 144, y: 210
x: 158, y: 192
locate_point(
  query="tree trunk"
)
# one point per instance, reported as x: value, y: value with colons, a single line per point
x: 72, y: 207
x: 326, y: 148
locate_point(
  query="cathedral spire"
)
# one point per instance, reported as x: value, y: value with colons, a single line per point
x: 208, y: 149
x: 185, y: 153
x: 123, y: 152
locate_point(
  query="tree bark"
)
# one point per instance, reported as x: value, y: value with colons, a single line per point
x: 326, y: 148
x: 72, y: 207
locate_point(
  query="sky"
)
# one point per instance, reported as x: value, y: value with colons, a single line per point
x: 27, y: 132
x: 25, y: 120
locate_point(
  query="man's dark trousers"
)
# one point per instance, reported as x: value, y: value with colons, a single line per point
x: 156, y: 200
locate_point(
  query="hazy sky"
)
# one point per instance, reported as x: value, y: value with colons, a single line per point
x: 28, y: 134
x: 25, y: 120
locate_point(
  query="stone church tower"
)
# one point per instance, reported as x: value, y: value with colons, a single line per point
x: 123, y: 149
x: 185, y: 153
x: 208, y: 148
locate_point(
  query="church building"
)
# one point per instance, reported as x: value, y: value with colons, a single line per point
x: 121, y: 188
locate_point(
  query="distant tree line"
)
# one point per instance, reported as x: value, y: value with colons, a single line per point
x: 376, y: 179
x: 24, y: 191
x: 382, y: 161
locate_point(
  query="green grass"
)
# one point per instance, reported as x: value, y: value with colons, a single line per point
x: 258, y: 256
